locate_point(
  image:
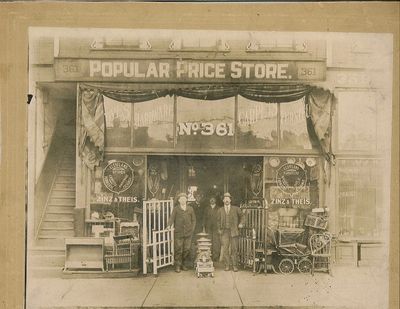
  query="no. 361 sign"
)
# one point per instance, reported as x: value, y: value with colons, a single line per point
x: 205, y: 128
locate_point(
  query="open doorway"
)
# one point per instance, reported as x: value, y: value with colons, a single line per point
x: 207, y: 175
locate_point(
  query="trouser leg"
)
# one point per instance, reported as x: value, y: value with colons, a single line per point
x: 187, y: 242
x: 216, y: 245
x: 234, y: 250
x: 178, y: 250
x: 225, y: 241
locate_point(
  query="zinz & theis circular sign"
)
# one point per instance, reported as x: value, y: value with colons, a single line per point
x: 117, y: 176
x: 291, y: 178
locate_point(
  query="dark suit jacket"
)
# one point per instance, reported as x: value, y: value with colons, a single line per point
x: 183, y: 221
x: 235, y: 217
x: 211, y: 219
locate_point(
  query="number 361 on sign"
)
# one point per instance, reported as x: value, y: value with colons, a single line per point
x: 205, y: 128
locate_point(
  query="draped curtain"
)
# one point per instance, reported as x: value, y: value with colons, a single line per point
x: 318, y: 106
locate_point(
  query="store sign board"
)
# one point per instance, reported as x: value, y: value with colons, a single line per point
x: 172, y: 70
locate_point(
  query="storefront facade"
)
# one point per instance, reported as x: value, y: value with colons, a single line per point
x: 280, y: 128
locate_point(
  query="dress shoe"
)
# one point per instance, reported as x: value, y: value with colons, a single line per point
x: 235, y: 269
x: 226, y: 268
x: 184, y: 268
x: 178, y: 269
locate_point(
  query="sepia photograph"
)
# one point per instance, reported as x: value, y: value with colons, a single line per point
x: 208, y: 168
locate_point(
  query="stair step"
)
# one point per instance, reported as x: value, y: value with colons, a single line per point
x: 55, y: 234
x: 63, y: 193
x: 60, y: 210
x: 65, y: 186
x: 65, y: 177
x: 46, y: 260
x: 49, y: 228
x: 67, y: 164
x: 45, y: 272
x: 61, y: 219
x: 47, y: 250
x: 65, y: 182
x: 50, y: 242
x: 57, y: 224
x: 66, y: 172
x: 59, y: 215
x: 60, y: 201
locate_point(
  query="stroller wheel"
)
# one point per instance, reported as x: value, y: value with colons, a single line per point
x: 304, y: 265
x: 286, y: 266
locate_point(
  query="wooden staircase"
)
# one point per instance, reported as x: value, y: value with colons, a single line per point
x: 46, y: 258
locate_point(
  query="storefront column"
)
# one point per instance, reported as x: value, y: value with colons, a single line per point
x: 82, y: 181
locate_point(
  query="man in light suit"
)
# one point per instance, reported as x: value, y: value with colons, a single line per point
x: 230, y: 220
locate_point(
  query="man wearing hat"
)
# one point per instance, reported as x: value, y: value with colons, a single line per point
x: 230, y: 219
x: 184, y: 221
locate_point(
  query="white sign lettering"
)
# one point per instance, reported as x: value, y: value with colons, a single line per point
x: 205, y: 128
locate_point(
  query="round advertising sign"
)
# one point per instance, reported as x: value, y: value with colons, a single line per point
x: 117, y: 176
x: 291, y: 178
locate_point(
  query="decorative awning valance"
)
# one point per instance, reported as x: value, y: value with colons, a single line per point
x: 318, y: 105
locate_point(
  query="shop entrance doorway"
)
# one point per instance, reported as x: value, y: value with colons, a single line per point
x: 209, y: 176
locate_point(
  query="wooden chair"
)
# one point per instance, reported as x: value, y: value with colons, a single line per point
x: 122, y: 253
x: 320, y: 245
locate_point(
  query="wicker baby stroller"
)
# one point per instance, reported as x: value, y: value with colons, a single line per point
x: 291, y: 253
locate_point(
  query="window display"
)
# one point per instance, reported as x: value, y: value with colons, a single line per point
x: 117, y: 187
x: 291, y: 189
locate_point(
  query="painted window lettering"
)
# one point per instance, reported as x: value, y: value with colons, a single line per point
x: 205, y: 128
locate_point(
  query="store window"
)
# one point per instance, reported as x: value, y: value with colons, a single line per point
x: 357, y: 121
x: 359, y: 208
x: 203, y: 124
x: 291, y: 189
x: 154, y: 123
x: 117, y: 187
x: 293, y: 126
x: 118, y: 123
x: 257, y: 124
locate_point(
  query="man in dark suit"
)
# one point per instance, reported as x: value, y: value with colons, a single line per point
x: 212, y: 228
x: 184, y: 221
x: 230, y: 220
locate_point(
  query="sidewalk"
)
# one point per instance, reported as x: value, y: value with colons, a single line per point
x: 349, y: 287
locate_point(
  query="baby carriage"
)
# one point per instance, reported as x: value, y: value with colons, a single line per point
x: 290, y: 250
